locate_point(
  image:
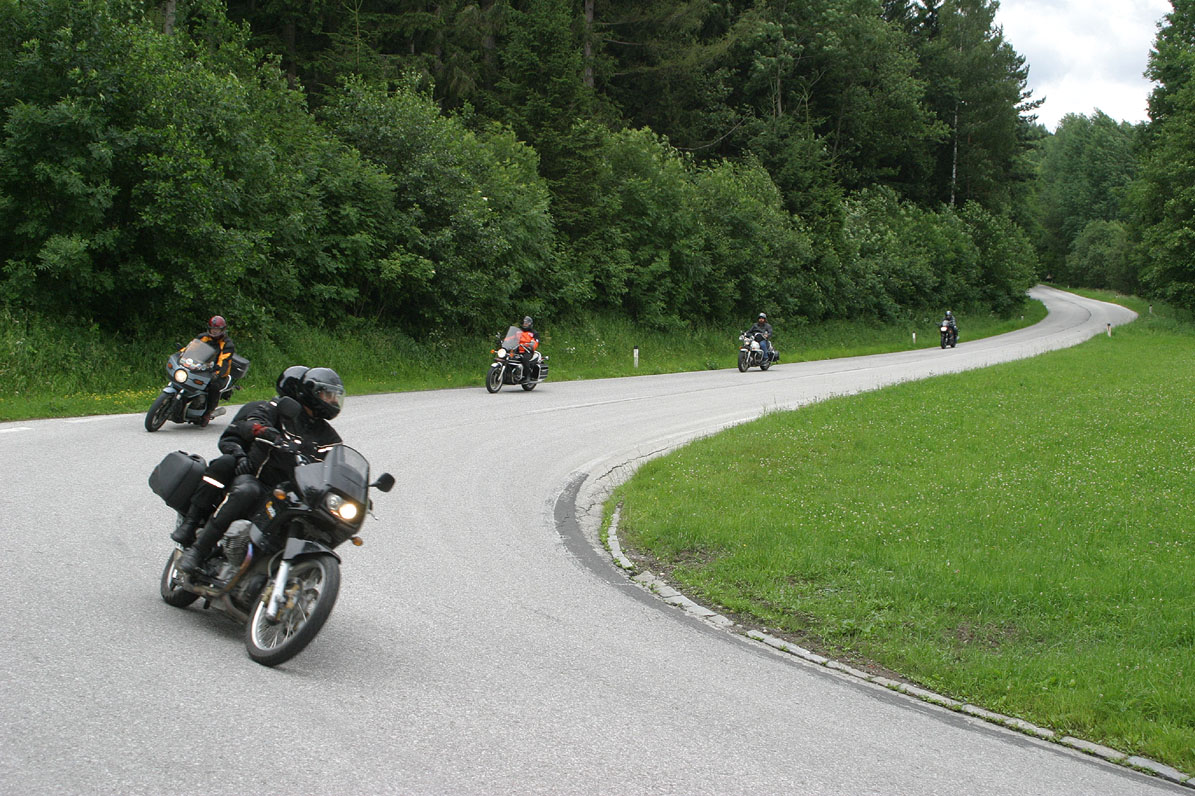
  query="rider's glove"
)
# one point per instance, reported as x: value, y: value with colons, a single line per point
x: 244, y: 466
x: 265, y: 432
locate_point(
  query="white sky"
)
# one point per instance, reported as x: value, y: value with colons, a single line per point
x: 1085, y: 54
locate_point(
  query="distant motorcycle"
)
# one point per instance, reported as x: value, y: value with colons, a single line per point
x: 184, y: 399
x: 276, y: 572
x: 949, y: 335
x: 508, y: 367
x: 751, y: 353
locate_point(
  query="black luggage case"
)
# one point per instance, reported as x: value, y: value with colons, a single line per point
x: 175, y: 478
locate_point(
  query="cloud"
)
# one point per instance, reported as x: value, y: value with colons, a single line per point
x: 1084, y: 54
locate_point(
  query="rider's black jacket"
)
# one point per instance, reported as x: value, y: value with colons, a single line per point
x: 766, y: 328
x: 256, y: 416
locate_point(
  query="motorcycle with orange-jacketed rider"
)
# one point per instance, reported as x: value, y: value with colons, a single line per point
x: 517, y: 359
x: 275, y: 569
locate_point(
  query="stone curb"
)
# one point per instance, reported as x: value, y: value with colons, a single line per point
x: 670, y: 595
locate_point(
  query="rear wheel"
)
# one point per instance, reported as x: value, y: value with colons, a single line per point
x: 311, y: 588
x: 765, y: 364
x: 493, y: 379
x: 743, y: 362
x: 529, y: 385
x: 170, y: 587
x: 159, y: 412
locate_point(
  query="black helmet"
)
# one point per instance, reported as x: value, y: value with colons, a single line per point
x: 322, y: 392
x: 290, y: 380
x: 527, y: 321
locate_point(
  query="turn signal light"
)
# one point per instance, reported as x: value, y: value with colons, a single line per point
x: 358, y: 541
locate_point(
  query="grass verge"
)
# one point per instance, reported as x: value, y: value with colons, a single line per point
x: 1017, y: 537
x: 50, y: 369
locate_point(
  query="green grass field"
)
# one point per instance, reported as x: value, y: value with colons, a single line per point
x: 1018, y: 537
x: 49, y: 370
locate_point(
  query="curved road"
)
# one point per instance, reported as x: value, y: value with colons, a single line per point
x: 480, y: 645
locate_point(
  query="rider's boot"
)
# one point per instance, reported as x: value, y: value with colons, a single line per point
x: 184, y: 534
x: 194, y: 556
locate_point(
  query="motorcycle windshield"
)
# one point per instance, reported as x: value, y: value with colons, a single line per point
x: 511, y: 341
x: 198, y: 354
x: 343, y: 470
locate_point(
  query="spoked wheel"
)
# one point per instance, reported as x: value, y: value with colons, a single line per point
x: 159, y: 412
x: 493, y: 379
x: 311, y: 589
x: 172, y: 593
x: 743, y: 362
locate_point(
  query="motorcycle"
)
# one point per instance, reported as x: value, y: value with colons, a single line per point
x: 751, y: 353
x: 949, y: 335
x: 184, y: 399
x: 505, y: 369
x: 278, y: 571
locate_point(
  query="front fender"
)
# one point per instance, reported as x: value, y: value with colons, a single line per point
x: 298, y: 548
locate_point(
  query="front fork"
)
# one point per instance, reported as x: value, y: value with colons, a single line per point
x: 278, y: 595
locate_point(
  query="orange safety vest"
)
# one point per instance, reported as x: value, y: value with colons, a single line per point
x: 527, y: 341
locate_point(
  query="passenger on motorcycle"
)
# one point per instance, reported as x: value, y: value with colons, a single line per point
x: 528, y: 343
x: 761, y: 325
x: 217, y: 336
x: 321, y: 394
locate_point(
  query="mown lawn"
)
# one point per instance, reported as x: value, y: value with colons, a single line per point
x: 1018, y: 537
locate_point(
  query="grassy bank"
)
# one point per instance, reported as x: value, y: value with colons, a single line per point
x: 50, y: 369
x: 1017, y: 537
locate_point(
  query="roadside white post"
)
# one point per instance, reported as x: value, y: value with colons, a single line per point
x: 1109, y: 330
x: 636, y: 356
x: 914, y: 338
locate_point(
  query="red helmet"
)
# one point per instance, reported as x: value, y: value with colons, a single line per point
x: 217, y: 326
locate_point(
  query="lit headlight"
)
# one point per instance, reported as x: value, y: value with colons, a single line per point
x: 501, y: 352
x: 180, y: 375
x: 346, y: 510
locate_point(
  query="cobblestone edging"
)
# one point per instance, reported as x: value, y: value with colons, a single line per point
x: 670, y: 595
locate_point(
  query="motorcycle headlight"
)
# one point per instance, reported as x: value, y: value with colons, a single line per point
x: 501, y: 352
x: 346, y: 510
x: 180, y: 375
x: 943, y: 328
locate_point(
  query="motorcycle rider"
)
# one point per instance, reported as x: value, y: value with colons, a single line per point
x: 217, y: 336
x: 949, y: 322
x: 528, y: 343
x: 321, y: 394
x: 762, y: 326
x: 233, y: 461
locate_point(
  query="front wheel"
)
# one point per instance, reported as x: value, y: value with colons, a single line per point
x: 493, y: 379
x: 170, y: 587
x: 743, y: 362
x: 311, y: 588
x: 158, y: 412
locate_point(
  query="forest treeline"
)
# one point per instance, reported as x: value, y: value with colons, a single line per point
x: 461, y: 163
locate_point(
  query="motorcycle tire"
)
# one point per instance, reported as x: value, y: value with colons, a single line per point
x: 172, y: 594
x: 743, y: 362
x: 159, y: 412
x: 767, y: 363
x: 529, y: 385
x: 493, y: 380
x: 943, y: 343
x: 315, y: 582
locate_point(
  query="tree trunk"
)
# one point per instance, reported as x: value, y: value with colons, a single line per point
x: 169, y: 10
x: 588, y: 53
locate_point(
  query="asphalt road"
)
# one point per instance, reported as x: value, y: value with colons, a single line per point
x: 481, y: 644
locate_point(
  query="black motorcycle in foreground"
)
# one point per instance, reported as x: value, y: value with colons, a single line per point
x: 184, y: 399
x: 949, y: 335
x: 276, y: 572
x: 507, y: 367
x: 751, y: 353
